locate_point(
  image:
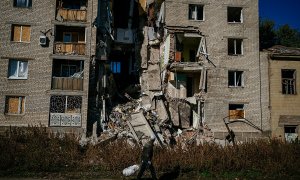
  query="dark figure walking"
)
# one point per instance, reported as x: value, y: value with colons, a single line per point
x: 147, y: 155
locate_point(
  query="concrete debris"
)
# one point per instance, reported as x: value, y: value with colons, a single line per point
x: 136, y: 123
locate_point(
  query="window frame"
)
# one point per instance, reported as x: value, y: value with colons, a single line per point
x: 241, y: 15
x: 235, y: 79
x: 293, y: 84
x: 235, y: 46
x: 20, y: 38
x: 28, y: 4
x: 12, y: 76
x: 196, y: 8
x: 21, y: 105
x: 66, y: 104
x: 116, y: 67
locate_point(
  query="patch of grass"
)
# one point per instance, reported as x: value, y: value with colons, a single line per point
x: 30, y: 151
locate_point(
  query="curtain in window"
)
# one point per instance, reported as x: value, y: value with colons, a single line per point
x: 22, y: 69
x: 13, y: 68
x: 23, y: 3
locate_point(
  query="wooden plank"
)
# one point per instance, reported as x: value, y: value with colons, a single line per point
x: 13, y: 105
x: 25, y: 34
x: 17, y: 33
x: 68, y: 48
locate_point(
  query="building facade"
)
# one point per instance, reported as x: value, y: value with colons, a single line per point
x: 284, y: 65
x: 235, y: 81
x: 46, y: 51
x: 67, y: 64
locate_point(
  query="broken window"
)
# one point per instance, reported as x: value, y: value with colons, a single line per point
x: 115, y: 67
x: 234, y: 14
x: 20, y: 33
x: 17, y: 69
x: 188, y: 47
x: 290, y: 133
x: 236, y: 111
x: 65, y: 104
x: 235, y: 78
x: 196, y: 12
x: 235, y: 46
x: 288, y: 79
x: 15, y: 105
x: 22, y: 3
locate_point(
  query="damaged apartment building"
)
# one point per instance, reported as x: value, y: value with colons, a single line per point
x: 194, y: 64
x: 166, y: 67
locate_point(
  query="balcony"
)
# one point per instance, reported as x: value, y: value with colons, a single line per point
x: 71, y: 10
x: 67, y: 75
x: 65, y: 111
x: 69, y: 48
x: 67, y: 83
x: 69, y: 40
x: 71, y: 15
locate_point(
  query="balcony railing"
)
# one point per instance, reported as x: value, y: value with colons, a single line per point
x: 65, y: 119
x: 67, y: 83
x: 71, y: 15
x: 69, y: 48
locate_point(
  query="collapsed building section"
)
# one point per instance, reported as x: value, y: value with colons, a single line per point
x: 151, y: 78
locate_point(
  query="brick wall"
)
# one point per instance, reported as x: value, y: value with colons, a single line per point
x: 217, y: 31
x: 37, y: 87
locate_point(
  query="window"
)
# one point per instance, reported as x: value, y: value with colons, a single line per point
x: 68, y: 70
x: 17, y: 69
x: 65, y: 104
x: 196, y: 12
x: 22, y: 3
x: 234, y: 14
x: 236, y: 111
x: 20, y: 33
x: 235, y: 46
x: 290, y: 133
x: 115, y: 67
x: 15, y: 105
x: 235, y: 78
x: 288, y: 79
x: 74, y: 37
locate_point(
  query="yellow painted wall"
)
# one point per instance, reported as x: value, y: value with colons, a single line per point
x: 282, y: 104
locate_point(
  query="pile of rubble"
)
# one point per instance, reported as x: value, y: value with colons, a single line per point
x: 137, y: 120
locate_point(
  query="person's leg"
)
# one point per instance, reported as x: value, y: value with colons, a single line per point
x: 143, y: 168
x: 152, y: 170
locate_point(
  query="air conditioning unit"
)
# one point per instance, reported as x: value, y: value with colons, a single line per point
x: 43, y: 40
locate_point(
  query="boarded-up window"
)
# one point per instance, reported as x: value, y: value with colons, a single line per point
x: 236, y: 111
x: 15, y: 105
x: 20, y: 33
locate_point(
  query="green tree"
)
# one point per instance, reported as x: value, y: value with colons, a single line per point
x: 267, y: 33
x: 288, y: 36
